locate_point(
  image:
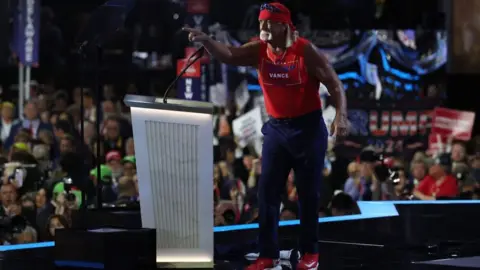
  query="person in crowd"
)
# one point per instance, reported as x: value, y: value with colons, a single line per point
x: 44, y: 209
x: 72, y: 166
x: 67, y: 144
x: 62, y: 128
x: 60, y: 101
x: 89, y: 133
x: 126, y: 191
x: 243, y: 170
x: 20, y: 146
x: 8, y: 195
x: 114, y: 162
x: 69, y: 141
x: 73, y: 113
x: 27, y: 236
x: 398, y: 188
x: 110, y: 110
x: 438, y: 183
x: 28, y: 201
x: 27, y: 205
x: 370, y: 183
x: 237, y: 192
x: 225, y: 172
x: 129, y: 166
x: 45, y: 116
x: 355, y: 184
x: 226, y: 213
x: 112, y: 139
x: 46, y: 137
x: 418, y: 169
x: 461, y: 172
x: 31, y: 123
x: 130, y: 147
x: 255, y: 172
x: 42, y: 106
x: 89, y: 106
x: 291, y: 188
x: 56, y: 222
x: 41, y: 153
x: 218, y: 183
x: 475, y: 169
x: 289, y: 209
x: 106, y: 180
x: 8, y: 120
x: 230, y: 162
x: 287, y: 214
x: 459, y: 153
x: 108, y: 93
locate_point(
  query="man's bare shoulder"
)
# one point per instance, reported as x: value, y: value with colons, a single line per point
x: 255, y: 44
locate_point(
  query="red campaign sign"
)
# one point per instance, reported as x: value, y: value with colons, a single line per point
x: 453, y: 123
x: 194, y: 71
x: 190, y: 50
x: 436, y: 143
x: 198, y: 6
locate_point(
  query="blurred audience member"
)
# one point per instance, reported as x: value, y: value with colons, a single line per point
x: 8, y: 120
x: 439, y: 183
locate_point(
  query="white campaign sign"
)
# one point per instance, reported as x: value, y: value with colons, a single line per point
x: 248, y: 127
x: 329, y: 116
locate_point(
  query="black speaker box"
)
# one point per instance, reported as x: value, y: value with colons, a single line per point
x: 106, y: 248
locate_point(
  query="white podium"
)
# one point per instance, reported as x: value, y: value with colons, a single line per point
x: 173, y: 146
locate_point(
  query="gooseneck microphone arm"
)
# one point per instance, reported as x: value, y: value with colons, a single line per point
x: 190, y: 61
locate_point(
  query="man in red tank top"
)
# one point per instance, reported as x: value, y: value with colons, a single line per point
x: 290, y: 71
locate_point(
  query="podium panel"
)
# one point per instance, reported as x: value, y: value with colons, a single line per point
x: 173, y: 146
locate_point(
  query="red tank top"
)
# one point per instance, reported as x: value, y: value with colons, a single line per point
x: 289, y: 90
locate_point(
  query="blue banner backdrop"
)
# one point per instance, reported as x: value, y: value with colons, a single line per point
x: 27, y: 32
x: 382, y: 64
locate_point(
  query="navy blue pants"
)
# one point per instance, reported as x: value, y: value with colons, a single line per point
x: 299, y: 143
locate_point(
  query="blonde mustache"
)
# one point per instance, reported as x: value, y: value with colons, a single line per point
x: 265, y: 36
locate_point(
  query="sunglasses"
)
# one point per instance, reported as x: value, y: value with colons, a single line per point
x: 270, y: 8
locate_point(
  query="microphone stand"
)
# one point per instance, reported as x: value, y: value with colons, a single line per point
x: 97, y: 87
x: 83, y: 69
x: 82, y: 51
x: 190, y: 61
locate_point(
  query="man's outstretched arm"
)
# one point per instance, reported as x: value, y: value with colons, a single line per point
x: 245, y: 55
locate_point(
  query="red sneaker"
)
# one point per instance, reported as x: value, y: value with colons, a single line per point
x: 308, y: 262
x: 263, y: 264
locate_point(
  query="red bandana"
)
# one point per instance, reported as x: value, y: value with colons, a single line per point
x: 276, y: 12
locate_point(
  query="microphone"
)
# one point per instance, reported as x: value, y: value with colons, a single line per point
x: 190, y: 61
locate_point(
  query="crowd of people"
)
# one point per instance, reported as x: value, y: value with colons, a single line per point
x: 50, y: 169
x: 45, y: 160
x: 452, y: 174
